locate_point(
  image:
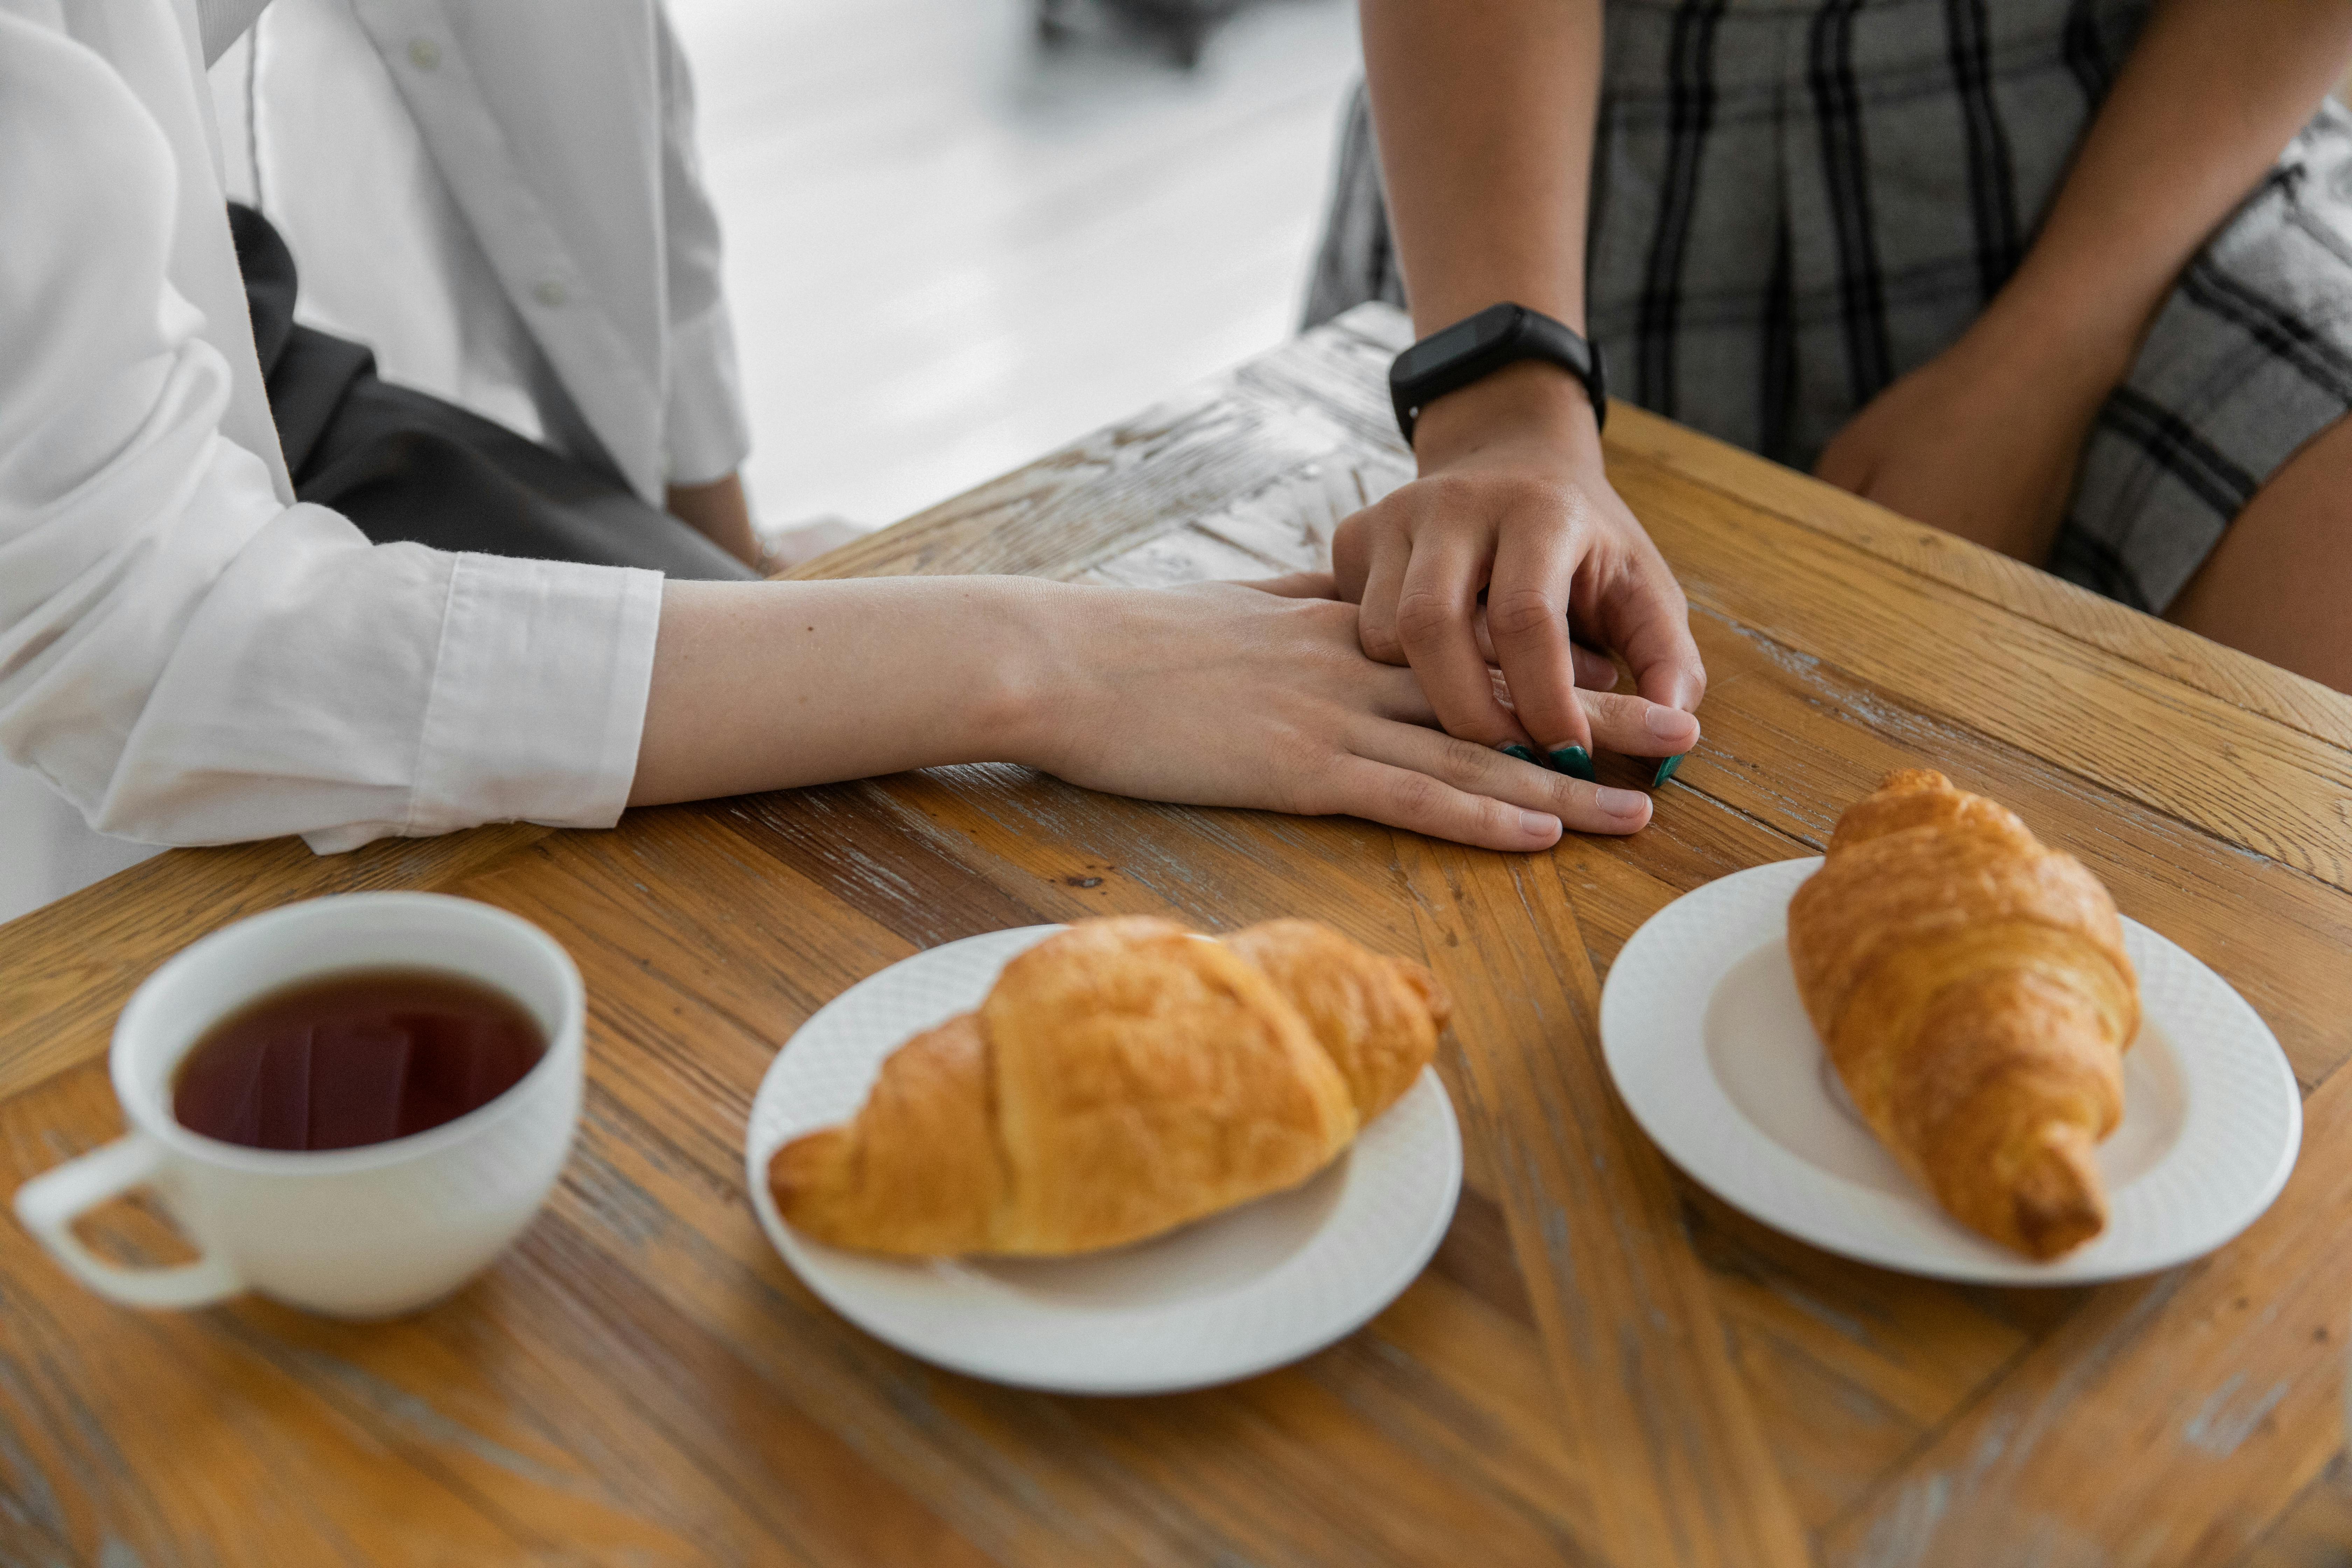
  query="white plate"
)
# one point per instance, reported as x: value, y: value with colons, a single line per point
x: 1711, y: 1048
x: 1228, y: 1296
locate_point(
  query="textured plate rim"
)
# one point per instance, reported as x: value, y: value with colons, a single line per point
x: 809, y: 1262
x: 1710, y: 1147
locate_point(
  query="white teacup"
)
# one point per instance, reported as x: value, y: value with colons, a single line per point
x: 363, y: 1232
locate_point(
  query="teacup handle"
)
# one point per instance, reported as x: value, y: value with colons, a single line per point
x: 51, y: 1202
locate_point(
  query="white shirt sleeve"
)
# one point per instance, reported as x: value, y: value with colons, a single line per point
x: 184, y: 657
x: 706, y: 436
x: 220, y: 23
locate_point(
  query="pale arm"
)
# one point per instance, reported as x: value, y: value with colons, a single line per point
x: 1214, y: 695
x: 767, y: 685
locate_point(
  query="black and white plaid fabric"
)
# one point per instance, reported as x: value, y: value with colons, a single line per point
x: 1795, y: 203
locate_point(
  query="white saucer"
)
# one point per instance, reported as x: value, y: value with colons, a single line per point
x: 1710, y: 1047
x: 1235, y: 1294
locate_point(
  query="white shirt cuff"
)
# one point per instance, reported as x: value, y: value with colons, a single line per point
x: 538, y: 699
x: 706, y: 436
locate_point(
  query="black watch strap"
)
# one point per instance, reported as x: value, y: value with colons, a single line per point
x: 1478, y: 346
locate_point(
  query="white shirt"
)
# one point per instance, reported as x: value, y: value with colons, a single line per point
x: 319, y: 120
x: 502, y: 198
x: 187, y: 655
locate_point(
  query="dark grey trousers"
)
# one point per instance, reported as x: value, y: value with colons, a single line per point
x: 405, y: 466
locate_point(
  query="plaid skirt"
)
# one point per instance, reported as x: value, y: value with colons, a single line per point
x: 1793, y: 204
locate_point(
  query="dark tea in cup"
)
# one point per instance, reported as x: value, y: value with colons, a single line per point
x: 357, y: 1057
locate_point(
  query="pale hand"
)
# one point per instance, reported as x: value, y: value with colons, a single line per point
x: 1220, y: 695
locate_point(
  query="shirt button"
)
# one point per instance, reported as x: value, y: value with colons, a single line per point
x: 551, y: 292
x: 423, y: 53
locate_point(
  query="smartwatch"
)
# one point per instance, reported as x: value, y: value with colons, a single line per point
x: 1478, y: 346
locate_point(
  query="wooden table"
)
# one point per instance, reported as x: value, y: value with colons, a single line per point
x: 1604, y: 1365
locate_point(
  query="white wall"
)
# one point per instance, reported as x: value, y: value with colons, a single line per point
x: 951, y: 250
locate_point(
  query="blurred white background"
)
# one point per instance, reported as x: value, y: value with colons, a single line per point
x: 952, y: 247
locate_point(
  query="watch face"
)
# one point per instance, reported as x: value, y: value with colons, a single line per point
x: 1429, y: 354
x: 1456, y: 341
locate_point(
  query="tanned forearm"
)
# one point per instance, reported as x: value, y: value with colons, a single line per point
x: 1984, y: 439
x: 1483, y: 111
x: 2211, y: 92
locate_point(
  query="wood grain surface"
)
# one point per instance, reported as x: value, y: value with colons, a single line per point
x: 1602, y: 1365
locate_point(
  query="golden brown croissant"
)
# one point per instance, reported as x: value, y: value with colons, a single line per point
x: 1120, y: 1079
x: 1971, y: 986
x: 1378, y: 1017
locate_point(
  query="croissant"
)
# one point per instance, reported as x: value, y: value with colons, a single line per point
x: 1122, y: 1078
x: 1971, y: 986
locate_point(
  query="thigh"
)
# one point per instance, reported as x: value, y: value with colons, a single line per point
x: 2277, y: 584
x: 2245, y: 366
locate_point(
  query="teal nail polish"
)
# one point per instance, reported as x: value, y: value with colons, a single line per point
x: 1666, y: 769
x: 1516, y: 750
x: 1575, y: 762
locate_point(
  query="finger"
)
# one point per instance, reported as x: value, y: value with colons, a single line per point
x: 1397, y: 695
x: 1647, y: 621
x: 1434, y: 610
x: 1351, y: 552
x: 1402, y: 797
x: 1471, y: 769
x: 1621, y: 723
x: 1637, y: 727
x: 1293, y: 585
x: 1387, y: 555
x: 1526, y: 612
x: 1595, y: 670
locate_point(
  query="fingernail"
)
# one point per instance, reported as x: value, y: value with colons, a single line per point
x: 1537, y: 823
x: 1620, y: 802
x: 1666, y: 769
x: 1575, y: 762
x: 1667, y: 722
x: 1516, y: 750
